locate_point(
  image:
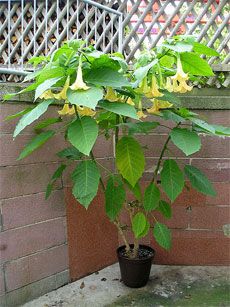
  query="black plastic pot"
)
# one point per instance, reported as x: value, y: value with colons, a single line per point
x: 135, y: 272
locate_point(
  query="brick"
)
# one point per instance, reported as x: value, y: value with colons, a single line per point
x: 10, y: 149
x: 191, y: 247
x: 35, y: 267
x: 209, y: 217
x: 217, y: 117
x: 195, y: 198
x: 30, y: 209
x: 2, y: 282
x: 22, y: 295
x: 212, y: 146
x: 217, y: 170
x: 180, y: 217
x: 103, y: 148
x: 30, y: 239
x: 88, y: 252
x: 25, y: 179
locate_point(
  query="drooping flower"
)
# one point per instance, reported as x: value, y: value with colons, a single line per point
x: 47, y: 95
x: 168, y: 85
x: 130, y: 101
x: 154, y: 89
x: 158, y: 105
x: 141, y: 114
x: 66, y: 110
x: 62, y: 94
x: 85, y: 111
x: 79, y: 84
x: 111, y: 95
x: 143, y: 87
x: 179, y: 80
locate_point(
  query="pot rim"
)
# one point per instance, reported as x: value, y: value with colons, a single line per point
x: 147, y: 247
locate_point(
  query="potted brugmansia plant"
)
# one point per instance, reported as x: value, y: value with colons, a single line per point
x: 98, y: 94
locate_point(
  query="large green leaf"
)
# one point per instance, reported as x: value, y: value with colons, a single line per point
x: 136, y: 190
x: 141, y: 127
x: 86, y: 180
x: 82, y: 134
x: 35, y: 143
x: 162, y: 235
x: 13, y: 116
x: 199, y: 181
x: 106, y: 76
x: 151, y: 197
x: 31, y: 116
x: 172, y: 179
x: 47, y: 122
x: 87, y: 98
x: 165, y: 209
x: 202, y: 49
x: 188, y: 141
x: 203, y: 125
x: 119, y: 108
x: 222, y: 130
x: 179, y: 46
x: 130, y: 159
x: 71, y: 153
x: 193, y: 64
x: 139, y: 224
x: 142, y: 71
x: 46, y: 85
x: 170, y: 115
x: 114, y: 196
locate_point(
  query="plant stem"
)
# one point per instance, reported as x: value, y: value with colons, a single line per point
x: 127, y: 247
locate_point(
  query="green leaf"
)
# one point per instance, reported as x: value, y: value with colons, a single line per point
x: 193, y: 64
x: 58, y: 173
x: 162, y: 235
x: 203, y: 49
x: 106, y: 77
x: 130, y: 159
x: 82, y: 134
x: 170, y: 115
x: 165, y: 209
x: 86, y: 180
x: 47, y: 122
x: 114, y: 197
x: 221, y: 130
x: 120, y: 108
x: 27, y: 110
x: 142, y: 72
x: 35, y: 143
x: 188, y: 141
x: 179, y: 47
x: 199, y: 181
x: 136, y: 190
x: 202, y: 124
x: 172, y: 179
x: 170, y: 97
x: 48, y: 190
x: 46, y: 85
x: 141, y: 127
x: 71, y: 153
x: 145, y: 231
x: 88, y: 98
x: 167, y: 61
x: 139, y: 224
x: 31, y: 116
x: 151, y: 197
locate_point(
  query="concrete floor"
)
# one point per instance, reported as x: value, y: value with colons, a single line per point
x: 168, y: 286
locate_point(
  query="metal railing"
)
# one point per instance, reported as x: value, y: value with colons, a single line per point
x: 38, y: 27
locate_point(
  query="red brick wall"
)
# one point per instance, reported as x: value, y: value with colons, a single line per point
x: 33, y: 242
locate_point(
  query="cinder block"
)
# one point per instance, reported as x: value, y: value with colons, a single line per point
x: 35, y: 267
x: 30, y: 209
x: 24, y: 241
x: 26, y: 179
x: 2, y: 282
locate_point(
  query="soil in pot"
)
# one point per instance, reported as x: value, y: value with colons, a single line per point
x: 135, y: 272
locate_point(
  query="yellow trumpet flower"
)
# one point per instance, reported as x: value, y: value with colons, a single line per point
x: 168, y: 85
x: 62, y: 94
x: 143, y: 87
x: 47, y: 95
x: 111, y: 95
x: 66, y: 110
x: 179, y: 80
x: 154, y: 90
x: 141, y: 114
x: 158, y: 105
x: 130, y: 101
x: 79, y: 84
x: 85, y: 111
